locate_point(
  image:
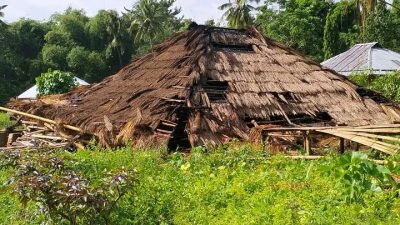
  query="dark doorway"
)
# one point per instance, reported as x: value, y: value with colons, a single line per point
x: 179, y: 140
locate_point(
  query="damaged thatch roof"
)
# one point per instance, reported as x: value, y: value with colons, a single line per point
x: 209, y: 84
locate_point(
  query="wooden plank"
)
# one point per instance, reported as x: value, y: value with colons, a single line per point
x: 362, y: 140
x: 168, y: 123
x: 388, y: 138
x: 54, y: 138
x: 378, y: 141
x: 369, y: 130
x: 393, y: 130
x: 174, y: 100
x: 40, y: 119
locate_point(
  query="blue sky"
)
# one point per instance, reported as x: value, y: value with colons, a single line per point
x: 199, y: 10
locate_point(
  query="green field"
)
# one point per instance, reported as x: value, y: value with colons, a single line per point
x: 235, y: 184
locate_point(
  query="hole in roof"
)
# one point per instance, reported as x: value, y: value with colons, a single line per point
x: 216, y: 90
x: 233, y: 48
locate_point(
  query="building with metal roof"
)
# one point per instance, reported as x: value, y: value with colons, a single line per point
x: 367, y: 57
x: 32, y: 92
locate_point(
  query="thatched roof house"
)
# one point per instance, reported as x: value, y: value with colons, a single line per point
x: 207, y: 85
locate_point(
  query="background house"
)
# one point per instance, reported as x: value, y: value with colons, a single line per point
x: 370, y: 57
x: 32, y: 92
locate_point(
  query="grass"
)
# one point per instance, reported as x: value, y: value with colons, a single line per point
x: 232, y: 185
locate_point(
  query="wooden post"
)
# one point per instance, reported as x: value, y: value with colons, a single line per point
x: 341, y: 145
x: 307, y: 142
x: 265, y: 139
x: 3, y: 138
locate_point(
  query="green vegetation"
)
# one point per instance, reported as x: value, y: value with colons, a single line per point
x: 387, y: 85
x: 55, y: 82
x: 4, y: 121
x: 234, y: 184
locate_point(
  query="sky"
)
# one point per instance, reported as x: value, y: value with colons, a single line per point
x: 198, y: 10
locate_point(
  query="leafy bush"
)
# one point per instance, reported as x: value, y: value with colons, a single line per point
x: 359, y: 175
x: 387, y: 85
x: 61, y: 193
x: 4, y: 121
x: 55, y: 82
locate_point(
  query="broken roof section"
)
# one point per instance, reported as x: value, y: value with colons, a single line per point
x: 367, y: 57
x: 207, y: 85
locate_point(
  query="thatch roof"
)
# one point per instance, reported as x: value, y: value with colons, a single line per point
x: 211, y: 84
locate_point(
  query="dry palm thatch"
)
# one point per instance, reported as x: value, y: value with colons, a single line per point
x: 207, y: 85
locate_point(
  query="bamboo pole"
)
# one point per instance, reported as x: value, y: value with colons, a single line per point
x: 40, y: 118
x: 376, y: 141
x: 388, y: 138
x: 364, y: 141
x: 370, y: 130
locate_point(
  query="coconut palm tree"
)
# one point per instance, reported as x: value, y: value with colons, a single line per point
x: 147, y: 20
x: 115, y: 31
x: 2, y: 13
x: 238, y: 13
x: 364, y: 8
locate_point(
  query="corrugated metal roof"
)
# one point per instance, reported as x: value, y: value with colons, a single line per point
x: 365, y: 57
x: 32, y: 92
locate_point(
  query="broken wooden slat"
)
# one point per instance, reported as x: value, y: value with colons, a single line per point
x: 362, y: 140
x: 388, y: 138
x: 54, y: 138
x: 40, y: 118
x: 164, y: 131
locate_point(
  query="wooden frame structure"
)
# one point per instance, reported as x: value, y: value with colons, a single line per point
x: 380, y: 137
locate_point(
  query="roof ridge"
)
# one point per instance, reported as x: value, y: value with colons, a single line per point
x: 368, y: 43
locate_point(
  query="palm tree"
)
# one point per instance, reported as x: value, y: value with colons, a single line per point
x: 364, y: 8
x: 115, y: 31
x: 147, y: 20
x: 238, y: 13
x: 2, y: 13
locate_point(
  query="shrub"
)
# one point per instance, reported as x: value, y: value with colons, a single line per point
x: 55, y: 82
x: 63, y: 194
x: 359, y: 175
x: 387, y: 85
x: 5, y: 121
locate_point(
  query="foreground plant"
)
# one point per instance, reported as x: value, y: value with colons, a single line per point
x: 359, y: 175
x: 62, y: 194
